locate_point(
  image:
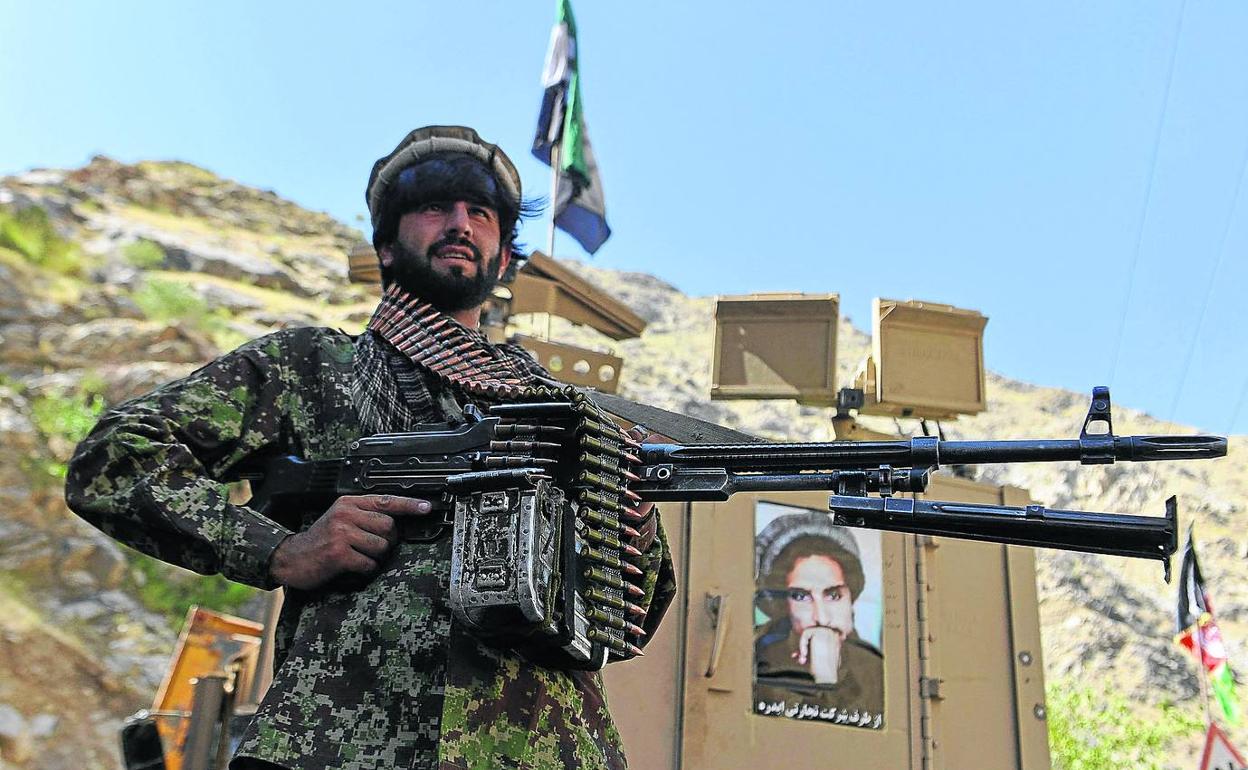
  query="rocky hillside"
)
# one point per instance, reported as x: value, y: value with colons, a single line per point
x: 115, y: 277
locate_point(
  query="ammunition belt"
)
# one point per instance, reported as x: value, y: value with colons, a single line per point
x: 555, y: 451
x: 565, y: 449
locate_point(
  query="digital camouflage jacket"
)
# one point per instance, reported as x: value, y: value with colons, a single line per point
x: 374, y: 677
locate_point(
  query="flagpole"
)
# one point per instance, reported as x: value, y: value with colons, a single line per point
x: 554, y: 202
x: 1198, y: 638
x: 555, y: 160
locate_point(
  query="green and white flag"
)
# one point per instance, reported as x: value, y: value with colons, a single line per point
x: 579, y: 206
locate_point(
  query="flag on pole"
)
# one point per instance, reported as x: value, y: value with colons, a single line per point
x: 562, y: 140
x: 1197, y: 632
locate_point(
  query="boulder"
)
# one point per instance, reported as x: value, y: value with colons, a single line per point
x: 223, y: 296
x: 107, y: 563
x: 16, y: 429
x: 27, y: 553
x: 85, y: 610
x: 43, y: 725
x: 134, y: 379
x: 17, y: 745
x: 19, y: 342
x: 120, y: 382
x: 20, y: 440
x: 12, y: 299
x: 283, y: 320
x: 333, y: 267
x: 91, y: 561
x: 109, y: 340
x: 258, y: 269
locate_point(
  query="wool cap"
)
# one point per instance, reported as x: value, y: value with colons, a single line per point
x: 436, y: 140
x: 812, y: 533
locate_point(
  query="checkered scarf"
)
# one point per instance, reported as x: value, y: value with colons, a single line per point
x: 408, y: 338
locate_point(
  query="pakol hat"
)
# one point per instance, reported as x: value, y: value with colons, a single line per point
x: 429, y: 141
x: 813, y: 533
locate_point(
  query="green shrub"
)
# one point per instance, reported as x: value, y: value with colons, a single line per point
x: 14, y: 584
x: 63, y: 420
x: 92, y: 382
x: 144, y: 254
x: 171, y: 591
x: 164, y: 300
x: 68, y: 417
x: 224, y: 336
x: 1095, y: 730
x: 29, y: 232
x: 167, y: 301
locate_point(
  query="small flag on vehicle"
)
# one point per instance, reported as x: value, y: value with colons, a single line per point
x: 1198, y: 633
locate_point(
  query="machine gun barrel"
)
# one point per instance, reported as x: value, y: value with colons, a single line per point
x: 1088, y: 450
x: 929, y: 452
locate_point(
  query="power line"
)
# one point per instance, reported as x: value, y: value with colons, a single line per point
x: 1204, y: 307
x: 1148, y: 193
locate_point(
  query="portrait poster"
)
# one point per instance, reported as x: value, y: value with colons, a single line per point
x: 818, y: 618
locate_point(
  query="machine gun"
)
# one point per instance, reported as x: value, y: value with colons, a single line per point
x: 541, y: 498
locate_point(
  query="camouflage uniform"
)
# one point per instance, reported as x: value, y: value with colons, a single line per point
x: 379, y: 677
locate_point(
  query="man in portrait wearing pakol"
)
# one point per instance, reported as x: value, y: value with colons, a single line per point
x: 809, y: 654
x: 372, y: 670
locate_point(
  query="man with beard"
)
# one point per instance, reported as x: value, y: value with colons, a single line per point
x: 372, y: 671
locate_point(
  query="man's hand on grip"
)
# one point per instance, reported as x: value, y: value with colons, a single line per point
x: 354, y: 536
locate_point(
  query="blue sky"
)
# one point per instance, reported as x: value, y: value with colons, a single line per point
x: 1025, y: 160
